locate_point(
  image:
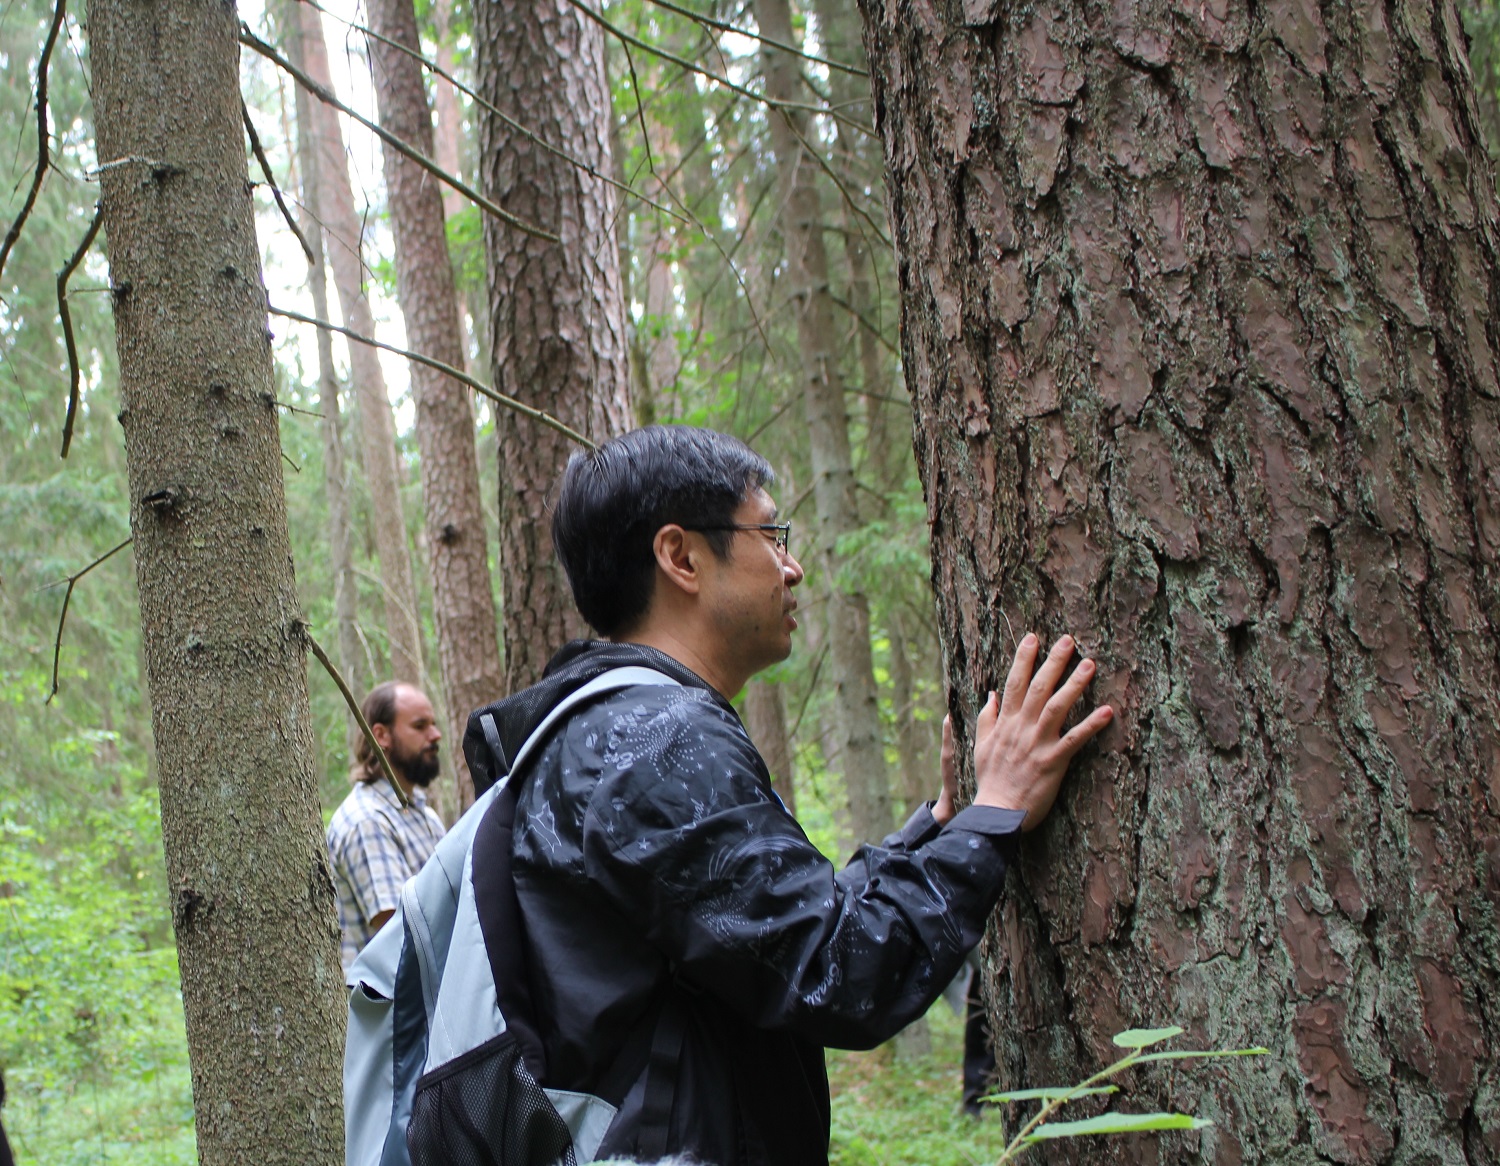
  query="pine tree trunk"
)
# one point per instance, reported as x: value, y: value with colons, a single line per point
x: 765, y: 718
x: 251, y: 893
x: 462, y: 595
x: 557, y: 319
x: 335, y: 470
x: 377, y: 426
x: 1197, y: 316
x: 448, y: 130
x: 861, y: 752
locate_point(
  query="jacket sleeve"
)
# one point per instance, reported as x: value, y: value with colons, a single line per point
x: 684, y: 836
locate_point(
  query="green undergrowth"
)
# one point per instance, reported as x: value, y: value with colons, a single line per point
x: 906, y: 1112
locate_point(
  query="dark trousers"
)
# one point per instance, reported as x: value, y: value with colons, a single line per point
x: 979, y: 1056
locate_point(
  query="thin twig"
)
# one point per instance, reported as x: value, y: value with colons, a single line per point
x: 724, y: 26
x: 43, y: 138
x: 625, y: 38
x: 66, y: 317
x: 265, y: 168
x: 812, y: 685
x: 433, y: 67
x: 63, y: 616
x: 286, y: 457
x: 364, y: 725
x: 457, y: 374
x: 251, y: 41
x: 290, y: 408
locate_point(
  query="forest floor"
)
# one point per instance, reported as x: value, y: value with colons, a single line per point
x: 887, y: 1111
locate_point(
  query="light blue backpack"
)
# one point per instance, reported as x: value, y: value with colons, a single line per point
x: 440, y: 1031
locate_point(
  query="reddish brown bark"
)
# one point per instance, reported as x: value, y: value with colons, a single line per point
x: 1197, y: 317
x: 462, y: 596
x: 557, y: 318
x: 765, y: 718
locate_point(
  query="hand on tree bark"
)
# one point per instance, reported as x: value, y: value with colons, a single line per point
x: 1020, y: 750
x: 943, y: 808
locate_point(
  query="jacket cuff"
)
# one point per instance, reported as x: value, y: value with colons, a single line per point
x: 990, y: 820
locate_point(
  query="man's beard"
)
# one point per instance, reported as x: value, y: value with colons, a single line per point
x: 419, y: 767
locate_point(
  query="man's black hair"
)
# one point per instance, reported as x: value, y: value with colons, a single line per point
x: 615, y: 498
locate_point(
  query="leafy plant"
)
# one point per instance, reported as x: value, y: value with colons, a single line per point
x: 1040, y: 1128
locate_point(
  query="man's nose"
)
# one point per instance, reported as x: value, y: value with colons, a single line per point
x: 791, y: 568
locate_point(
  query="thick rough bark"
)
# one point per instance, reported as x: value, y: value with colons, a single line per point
x: 252, y: 896
x: 335, y: 470
x: 861, y: 751
x: 377, y: 426
x: 463, y: 599
x: 557, y: 317
x: 1197, y: 316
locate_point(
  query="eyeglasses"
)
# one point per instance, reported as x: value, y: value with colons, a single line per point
x: 780, y: 531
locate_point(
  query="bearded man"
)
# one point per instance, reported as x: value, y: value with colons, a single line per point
x: 374, y: 843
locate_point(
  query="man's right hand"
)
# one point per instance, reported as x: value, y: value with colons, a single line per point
x: 1020, y: 750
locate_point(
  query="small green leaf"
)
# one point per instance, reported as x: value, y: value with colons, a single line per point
x: 1140, y: 1038
x: 1185, y: 1054
x: 1051, y: 1094
x: 1117, y: 1123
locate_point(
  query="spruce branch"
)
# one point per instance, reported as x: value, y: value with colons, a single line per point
x: 62, y: 619
x: 43, y: 137
x: 457, y: 374
x: 406, y: 150
x: 70, y: 342
x: 364, y: 725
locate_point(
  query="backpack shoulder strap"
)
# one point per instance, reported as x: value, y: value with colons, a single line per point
x: 498, y: 907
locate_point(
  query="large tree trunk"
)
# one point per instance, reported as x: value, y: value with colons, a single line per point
x: 377, y: 426
x: 1196, y: 315
x: 463, y: 599
x: 861, y: 751
x: 252, y: 896
x: 335, y: 469
x: 765, y: 718
x: 557, y: 318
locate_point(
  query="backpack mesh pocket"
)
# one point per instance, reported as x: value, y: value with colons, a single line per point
x: 486, y: 1109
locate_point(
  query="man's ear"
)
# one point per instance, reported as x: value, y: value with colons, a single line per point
x: 679, y: 558
x: 382, y: 734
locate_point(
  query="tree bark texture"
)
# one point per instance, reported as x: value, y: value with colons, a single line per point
x: 251, y: 893
x: 765, y: 718
x: 860, y: 747
x: 377, y: 425
x: 463, y: 598
x: 557, y: 315
x: 335, y: 468
x: 1198, y: 310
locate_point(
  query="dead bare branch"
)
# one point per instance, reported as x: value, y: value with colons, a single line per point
x: 364, y: 725
x: 251, y: 41
x: 724, y: 26
x: 62, y: 618
x: 625, y: 38
x: 265, y: 168
x: 43, y: 137
x: 66, y: 316
x: 457, y: 374
x: 433, y: 67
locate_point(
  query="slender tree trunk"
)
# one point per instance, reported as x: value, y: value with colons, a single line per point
x: 449, y: 129
x: 252, y: 896
x: 557, y: 326
x: 335, y: 471
x: 1198, y: 319
x: 861, y: 750
x: 376, y: 424
x: 765, y: 717
x: 463, y: 598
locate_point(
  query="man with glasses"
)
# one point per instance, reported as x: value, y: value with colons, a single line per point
x: 690, y: 952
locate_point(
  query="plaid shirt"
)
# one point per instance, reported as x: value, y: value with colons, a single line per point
x: 375, y: 846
